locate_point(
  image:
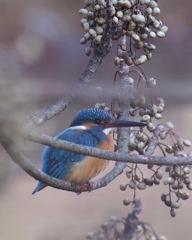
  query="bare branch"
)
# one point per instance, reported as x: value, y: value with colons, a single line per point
x: 100, y: 51
x: 153, y: 142
x: 114, y: 156
x: 30, y: 169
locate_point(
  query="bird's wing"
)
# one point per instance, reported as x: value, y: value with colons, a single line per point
x: 57, y: 162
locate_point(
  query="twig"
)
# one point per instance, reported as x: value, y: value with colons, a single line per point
x: 153, y: 141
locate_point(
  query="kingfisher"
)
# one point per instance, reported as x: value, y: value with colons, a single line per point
x: 90, y: 127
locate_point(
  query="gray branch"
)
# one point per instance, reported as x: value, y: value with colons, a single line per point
x: 120, y: 157
x: 12, y: 149
x: 114, y: 156
x: 100, y: 51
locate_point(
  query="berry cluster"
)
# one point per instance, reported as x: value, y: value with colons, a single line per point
x: 137, y: 180
x: 102, y: 106
x: 150, y: 110
x: 178, y: 178
x: 136, y: 19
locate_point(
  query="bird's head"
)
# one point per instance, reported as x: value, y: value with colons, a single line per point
x: 97, y: 117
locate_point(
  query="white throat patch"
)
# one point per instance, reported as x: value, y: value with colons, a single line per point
x: 81, y: 127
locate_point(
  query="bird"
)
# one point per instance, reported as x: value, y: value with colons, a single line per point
x: 90, y: 127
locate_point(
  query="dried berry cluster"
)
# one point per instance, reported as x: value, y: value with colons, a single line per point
x: 102, y: 106
x: 150, y: 110
x: 177, y: 178
x: 136, y: 19
x: 137, y: 180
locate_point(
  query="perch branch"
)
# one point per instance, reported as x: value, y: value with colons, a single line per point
x: 28, y: 167
x: 114, y: 156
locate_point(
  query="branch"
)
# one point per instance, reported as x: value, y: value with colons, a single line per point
x: 114, y: 156
x: 11, y: 148
x: 100, y: 51
x: 123, y: 100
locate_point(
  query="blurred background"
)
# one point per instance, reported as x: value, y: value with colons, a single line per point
x: 40, y: 60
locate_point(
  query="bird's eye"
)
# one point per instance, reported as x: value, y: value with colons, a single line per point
x: 99, y: 121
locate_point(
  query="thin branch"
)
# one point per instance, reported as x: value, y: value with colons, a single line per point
x: 100, y: 51
x: 153, y: 141
x: 103, y: 154
x: 30, y: 169
x: 15, y: 128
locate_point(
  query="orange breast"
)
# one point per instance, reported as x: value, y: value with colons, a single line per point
x: 89, y: 167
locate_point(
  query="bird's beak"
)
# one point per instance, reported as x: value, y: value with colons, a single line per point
x: 122, y: 123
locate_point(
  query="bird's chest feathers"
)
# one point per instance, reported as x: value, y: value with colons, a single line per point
x: 89, y: 167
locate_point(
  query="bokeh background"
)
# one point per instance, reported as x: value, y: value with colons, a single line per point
x: 40, y: 60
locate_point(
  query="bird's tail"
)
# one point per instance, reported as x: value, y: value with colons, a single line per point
x: 39, y: 187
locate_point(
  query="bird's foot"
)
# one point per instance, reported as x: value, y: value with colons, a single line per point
x: 90, y: 186
x: 83, y: 185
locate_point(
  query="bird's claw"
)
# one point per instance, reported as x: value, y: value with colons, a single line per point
x: 83, y: 185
